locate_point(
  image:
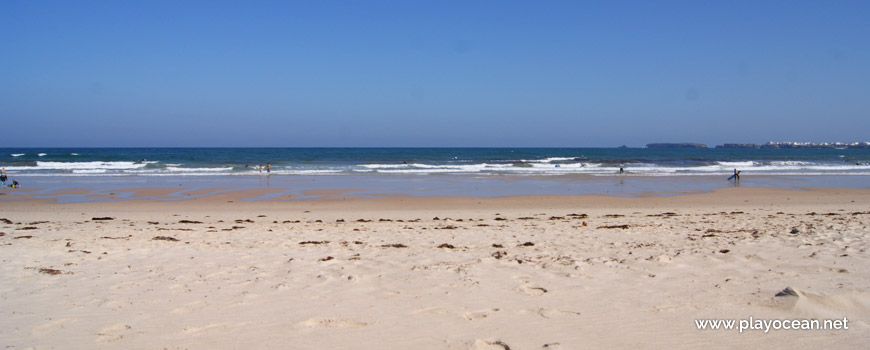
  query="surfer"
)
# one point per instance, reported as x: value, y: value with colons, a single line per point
x: 736, y: 175
x: 3, y: 177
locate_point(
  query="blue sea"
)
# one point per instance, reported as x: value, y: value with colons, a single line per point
x: 204, y: 162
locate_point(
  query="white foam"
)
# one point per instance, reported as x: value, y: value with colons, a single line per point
x: 307, y: 172
x: 384, y: 166
x: 198, y: 170
x: 17, y: 154
x: 86, y: 165
x: 737, y: 164
x: 560, y: 166
x: 793, y: 168
x: 176, y: 171
x: 485, y: 168
x: 791, y: 163
x: 548, y: 166
x: 423, y: 171
x: 548, y: 160
x: 41, y: 154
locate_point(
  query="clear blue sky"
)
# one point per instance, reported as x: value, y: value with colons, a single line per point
x: 432, y: 73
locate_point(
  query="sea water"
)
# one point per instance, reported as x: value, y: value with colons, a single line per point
x: 147, y: 162
x: 375, y: 172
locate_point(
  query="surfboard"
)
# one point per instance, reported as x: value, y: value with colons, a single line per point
x: 732, y: 177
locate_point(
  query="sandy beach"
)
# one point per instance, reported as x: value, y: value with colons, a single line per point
x: 523, y: 272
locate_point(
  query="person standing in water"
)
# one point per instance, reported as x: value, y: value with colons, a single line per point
x: 268, y: 167
x: 3, y: 177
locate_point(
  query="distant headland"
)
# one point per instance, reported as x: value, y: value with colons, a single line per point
x: 676, y: 145
x: 839, y: 145
x: 835, y: 145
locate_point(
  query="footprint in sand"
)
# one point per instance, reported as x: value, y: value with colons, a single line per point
x: 212, y: 328
x: 664, y: 258
x: 551, y: 313
x: 124, y: 285
x: 438, y: 310
x: 245, y: 298
x: 49, y: 327
x: 663, y: 308
x: 532, y: 290
x: 113, y: 333
x: 330, y: 275
x: 180, y: 288
x: 528, y: 287
x: 476, y: 315
x: 331, y: 323
x: 481, y: 344
x: 192, y: 306
x: 118, y: 304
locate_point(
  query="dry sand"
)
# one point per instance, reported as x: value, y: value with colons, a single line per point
x: 218, y: 272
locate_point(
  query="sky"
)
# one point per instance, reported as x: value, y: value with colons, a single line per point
x: 432, y: 73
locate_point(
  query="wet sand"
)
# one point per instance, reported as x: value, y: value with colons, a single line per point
x: 74, y: 189
x: 522, y: 272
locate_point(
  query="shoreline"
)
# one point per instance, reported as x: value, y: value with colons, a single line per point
x: 271, y: 188
x: 342, y: 200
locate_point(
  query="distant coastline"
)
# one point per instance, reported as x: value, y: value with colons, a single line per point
x: 769, y: 145
x: 676, y: 145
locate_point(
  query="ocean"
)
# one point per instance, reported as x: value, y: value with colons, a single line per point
x: 199, y: 162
